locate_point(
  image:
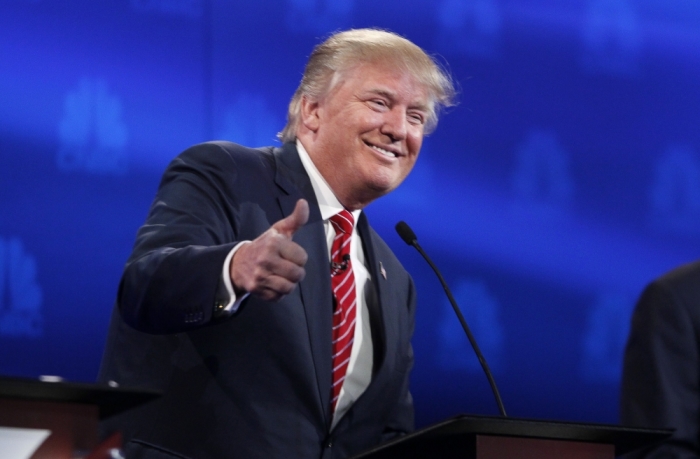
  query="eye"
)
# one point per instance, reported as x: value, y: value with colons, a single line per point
x: 379, y: 103
x: 416, y: 118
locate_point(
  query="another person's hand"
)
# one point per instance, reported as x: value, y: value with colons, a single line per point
x: 271, y: 265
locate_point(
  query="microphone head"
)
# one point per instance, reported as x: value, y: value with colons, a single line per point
x: 406, y: 233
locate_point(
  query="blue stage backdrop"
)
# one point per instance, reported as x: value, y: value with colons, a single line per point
x: 567, y: 178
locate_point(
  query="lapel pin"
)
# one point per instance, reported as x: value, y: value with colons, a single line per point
x: 382, y: 270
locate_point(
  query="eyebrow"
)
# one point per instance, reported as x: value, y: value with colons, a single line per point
x: 383, y: 92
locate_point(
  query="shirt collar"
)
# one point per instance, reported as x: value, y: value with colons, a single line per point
x: 328, y: 204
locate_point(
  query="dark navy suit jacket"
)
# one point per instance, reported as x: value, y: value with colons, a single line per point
x: 257, y: 384
x: 661, y: 375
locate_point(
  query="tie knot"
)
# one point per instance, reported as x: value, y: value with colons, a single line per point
x: 343, y: 222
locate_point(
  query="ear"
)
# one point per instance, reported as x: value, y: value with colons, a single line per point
x: 310, y: 113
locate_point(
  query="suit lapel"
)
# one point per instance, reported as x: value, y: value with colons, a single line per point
x: 377, y: 301
x: 315, y: 289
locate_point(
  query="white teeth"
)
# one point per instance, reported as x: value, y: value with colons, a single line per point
x: 383, y: 151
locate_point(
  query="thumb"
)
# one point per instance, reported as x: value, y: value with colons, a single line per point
x: 292, y: 222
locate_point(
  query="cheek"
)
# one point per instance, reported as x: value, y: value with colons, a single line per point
x: 414, y: 142
x: 407, y: 168
x: 408, y: 165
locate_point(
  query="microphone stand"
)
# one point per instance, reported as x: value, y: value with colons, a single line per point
x: 409, y: 237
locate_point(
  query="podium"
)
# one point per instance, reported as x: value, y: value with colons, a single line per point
x: 483, y: 437
x: 71, y: 411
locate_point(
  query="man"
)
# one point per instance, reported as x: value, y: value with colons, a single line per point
x: 661, y: 375
x: 257, y: 298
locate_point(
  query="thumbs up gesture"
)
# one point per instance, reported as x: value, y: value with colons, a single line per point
x: 272, y: 264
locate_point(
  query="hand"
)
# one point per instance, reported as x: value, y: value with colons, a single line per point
x: 272, y: 265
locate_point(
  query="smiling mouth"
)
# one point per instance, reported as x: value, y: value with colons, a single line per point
x: 383, y: 152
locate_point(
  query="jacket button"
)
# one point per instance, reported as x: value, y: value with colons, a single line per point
x: 329, y: 444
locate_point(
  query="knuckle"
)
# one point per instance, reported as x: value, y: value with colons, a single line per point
x: 297, y: 274
x: 259, y: 276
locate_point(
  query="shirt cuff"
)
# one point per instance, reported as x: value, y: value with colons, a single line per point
x: 230, y: 303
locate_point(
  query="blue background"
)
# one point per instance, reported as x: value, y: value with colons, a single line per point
x: 567, y: 178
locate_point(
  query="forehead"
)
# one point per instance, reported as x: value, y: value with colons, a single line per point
x: 384, y: 79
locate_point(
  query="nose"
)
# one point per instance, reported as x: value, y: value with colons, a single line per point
x: 395, y: 125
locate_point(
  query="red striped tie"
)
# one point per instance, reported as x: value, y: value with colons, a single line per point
x: 343, y: 283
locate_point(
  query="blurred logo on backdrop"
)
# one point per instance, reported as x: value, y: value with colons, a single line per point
x: 481, y: 310
x: 675, y: 192
x: 605, y: 336
x: 92, y: 134
x: 472, y: 28
x: 318, y: 16
x: 20, y: 295
x: 249, y: 121
x: 542, y: 175
x: 191, y: 8
x: 611, y: 37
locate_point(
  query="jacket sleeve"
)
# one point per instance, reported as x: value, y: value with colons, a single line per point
x: 172, y: 281
x: 660, y: 373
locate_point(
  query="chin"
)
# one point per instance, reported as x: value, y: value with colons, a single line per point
x: 385, y: 182
x: 379, y: 184
x: 381, y: 189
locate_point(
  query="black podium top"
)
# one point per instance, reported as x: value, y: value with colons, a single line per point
x: 110, y: 400
x: 461, y: 430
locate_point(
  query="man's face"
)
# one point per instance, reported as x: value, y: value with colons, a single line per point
x: 367, y: 132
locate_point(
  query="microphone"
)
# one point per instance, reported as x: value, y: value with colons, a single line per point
x: 337, y: 268
x: 409, y: 237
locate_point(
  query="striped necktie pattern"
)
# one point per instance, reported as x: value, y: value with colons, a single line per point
x: 344, y: 300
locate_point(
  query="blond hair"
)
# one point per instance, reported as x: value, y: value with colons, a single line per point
x: 344, y: 50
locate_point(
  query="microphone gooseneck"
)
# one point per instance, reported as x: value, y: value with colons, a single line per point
x: 409, y: 237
